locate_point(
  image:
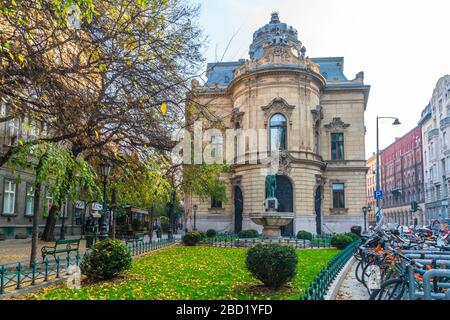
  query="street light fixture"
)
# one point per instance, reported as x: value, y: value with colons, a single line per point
x: 378, y: 208
x: 105, y: 170
x: 195, y: 207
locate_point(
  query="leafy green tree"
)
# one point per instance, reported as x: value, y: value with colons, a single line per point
x: 54, y: 166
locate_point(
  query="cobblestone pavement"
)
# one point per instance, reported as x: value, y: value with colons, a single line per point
x: 352, y: 289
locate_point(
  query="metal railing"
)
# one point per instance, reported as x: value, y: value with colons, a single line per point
x: 19, y: 275
x: 232, y: 242
x: 319, y: 287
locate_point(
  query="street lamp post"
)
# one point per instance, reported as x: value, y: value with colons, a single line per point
x: 365, y: 209
x: 105, y: 169
x: 195, y: 207
x: 378, y: 207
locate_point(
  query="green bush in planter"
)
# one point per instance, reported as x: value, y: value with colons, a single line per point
x: 211, y: 233
x: 272, y: 264
x: 192, y: 238
x: 304, y: 235
x: 352, y: 235
x: 248, y: 234
x: 106, y: 260
x: 341, y: 241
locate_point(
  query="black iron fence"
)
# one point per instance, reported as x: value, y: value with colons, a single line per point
x: 19, y: 275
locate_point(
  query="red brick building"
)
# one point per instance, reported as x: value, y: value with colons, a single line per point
x: 401, y: 167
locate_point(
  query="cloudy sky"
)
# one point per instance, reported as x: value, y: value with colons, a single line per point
x: 402, y: 46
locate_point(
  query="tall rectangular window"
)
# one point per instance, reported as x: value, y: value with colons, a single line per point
x: 338, y: 196
x: 216, y: 204
x: 337, y: 146
x: 29, y: 205
x: 9, y: 197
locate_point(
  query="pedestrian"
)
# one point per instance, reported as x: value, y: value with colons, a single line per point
x: 436, y: 226
x: 415, y: 219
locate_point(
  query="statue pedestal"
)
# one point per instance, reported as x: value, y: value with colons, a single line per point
x: 272, y: 222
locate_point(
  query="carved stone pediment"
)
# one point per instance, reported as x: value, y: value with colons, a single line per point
x: 337, y: 124
x: 278, y: 105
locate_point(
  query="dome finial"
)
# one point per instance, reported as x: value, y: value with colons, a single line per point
x: 274, y: 17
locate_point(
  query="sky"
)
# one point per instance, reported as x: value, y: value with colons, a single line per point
x: 402, y: 46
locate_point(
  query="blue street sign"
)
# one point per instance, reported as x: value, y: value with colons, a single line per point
x: 378, y: 194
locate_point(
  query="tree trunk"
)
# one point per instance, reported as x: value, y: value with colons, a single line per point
x: 35, y: 235
x: 36, y: 207
x: 49, y: 231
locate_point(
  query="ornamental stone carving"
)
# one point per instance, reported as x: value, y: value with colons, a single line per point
x: 278, y: 105
x: 337, y: 124
x: 285, y: 167
x: 237, y: 117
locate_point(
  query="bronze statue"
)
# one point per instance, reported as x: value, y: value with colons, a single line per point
x: 271, y: 186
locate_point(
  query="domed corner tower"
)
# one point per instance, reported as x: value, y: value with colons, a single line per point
x: 307, y: 110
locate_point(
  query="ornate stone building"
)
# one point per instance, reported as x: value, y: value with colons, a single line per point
x: 371, y: 187
x: 402, y: 178
x: 309, y: 111
x: 435, y: 123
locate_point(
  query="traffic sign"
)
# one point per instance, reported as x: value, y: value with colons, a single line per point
x: 378, y: 194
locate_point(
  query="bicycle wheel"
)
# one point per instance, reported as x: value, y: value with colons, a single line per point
x: 358, y: 271
x: 390, y: 290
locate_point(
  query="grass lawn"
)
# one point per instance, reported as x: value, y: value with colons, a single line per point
x: 197, y: 273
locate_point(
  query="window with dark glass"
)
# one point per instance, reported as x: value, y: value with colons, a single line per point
x: 338, y: 196
x: 216, y: 204
x: 278, y: 135
x: 337, y: 146
x: 29, y: 202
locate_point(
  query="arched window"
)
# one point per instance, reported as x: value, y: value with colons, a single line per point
x: 278, y: 132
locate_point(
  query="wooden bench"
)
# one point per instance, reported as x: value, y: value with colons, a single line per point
x: 61, y: 246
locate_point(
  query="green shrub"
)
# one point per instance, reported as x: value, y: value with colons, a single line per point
x: 248, y: 234
x: 352, y: 235
x: 106, y: 260
x: 211, y: 233
x: 304, y: 235
x: 192, y: 238
x: 341, y: 241
x: 272, y: 264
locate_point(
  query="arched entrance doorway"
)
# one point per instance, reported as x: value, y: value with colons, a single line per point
x: 238, y: 209
x: 284, y: 194
x: 318, y: 209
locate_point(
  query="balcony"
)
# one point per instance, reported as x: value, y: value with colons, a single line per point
x: 445, y: 122
x: 433, y: 133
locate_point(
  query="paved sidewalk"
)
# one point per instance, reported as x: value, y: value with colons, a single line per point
x: 352, y: 289
x: 19, y: 250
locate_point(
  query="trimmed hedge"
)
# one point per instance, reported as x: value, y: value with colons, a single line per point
x: 304, y: 235
x: 211, y: 233
x: 341, y: 241
x: 106, y: 260
x: 249, y: 234
x: 192, y: 238
x: 272, y: 264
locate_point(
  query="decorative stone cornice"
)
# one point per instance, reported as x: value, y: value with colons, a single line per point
x: 278, y: 105
x: 337, y: 124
